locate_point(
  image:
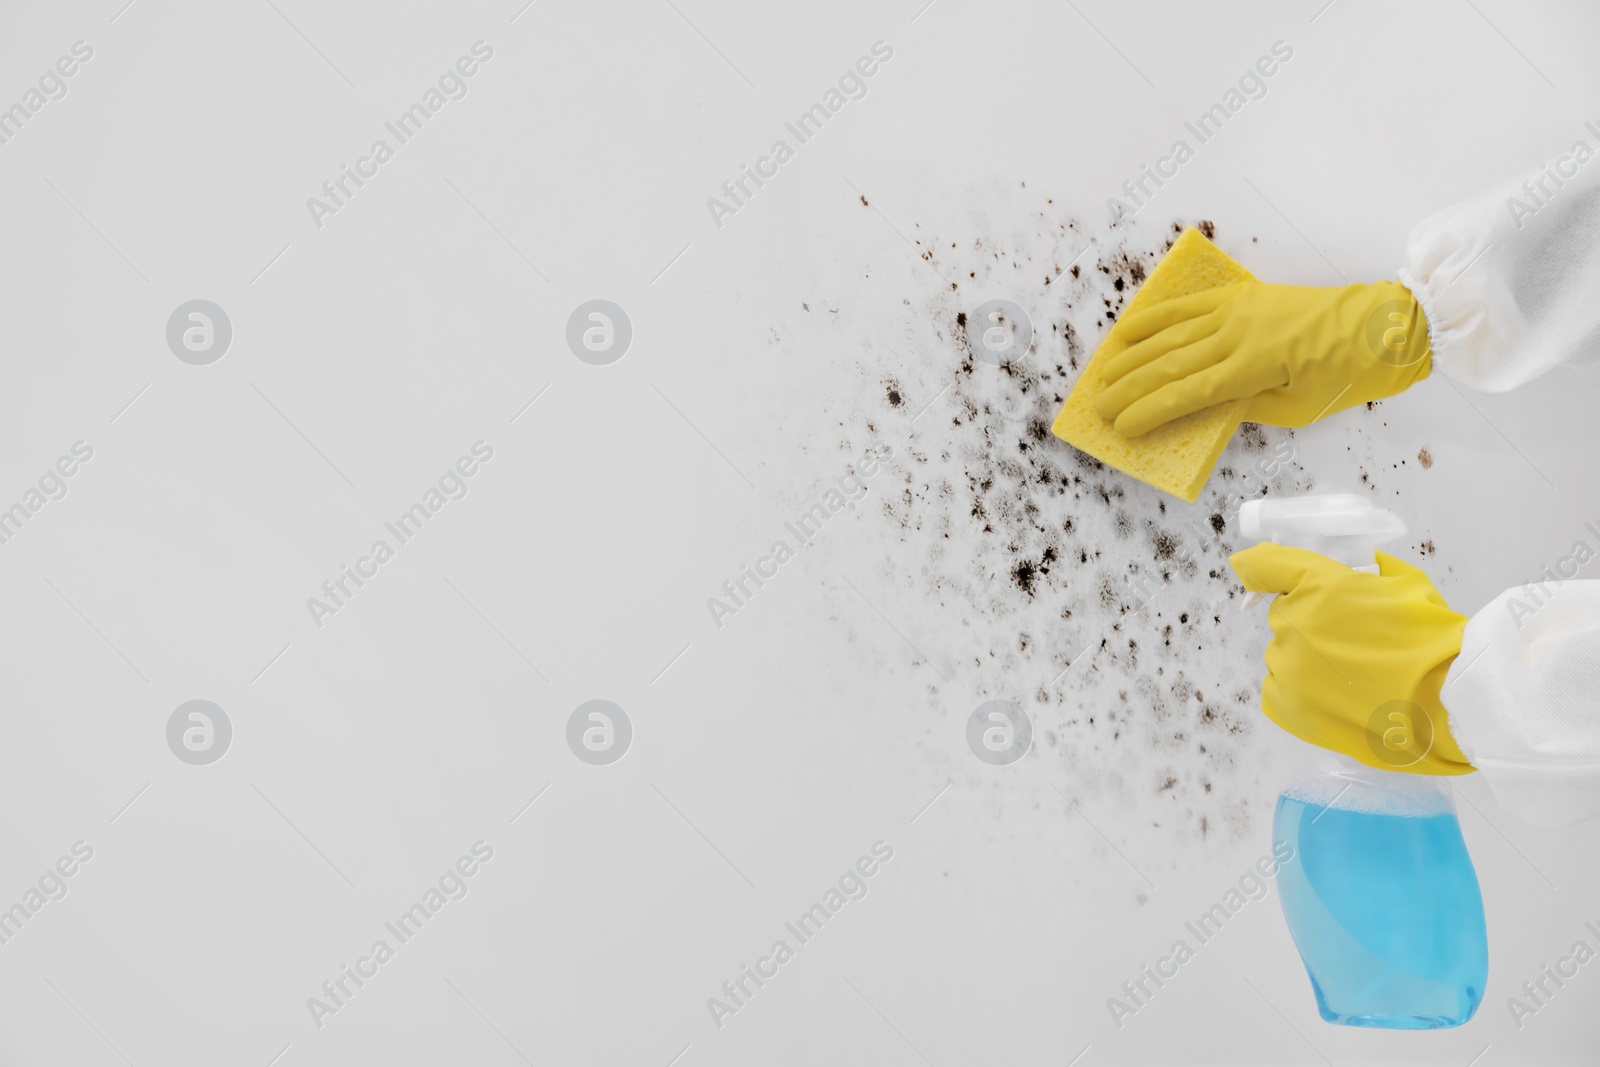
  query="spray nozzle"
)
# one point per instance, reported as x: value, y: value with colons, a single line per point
x: 1341, y: 526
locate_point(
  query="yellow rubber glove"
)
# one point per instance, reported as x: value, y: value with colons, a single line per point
x: 1299, y: 352
x: 1356, y: 660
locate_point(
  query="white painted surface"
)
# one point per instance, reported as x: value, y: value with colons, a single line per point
x: 826, y: 715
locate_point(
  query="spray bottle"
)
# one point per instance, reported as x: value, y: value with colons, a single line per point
x: 1383, y: 903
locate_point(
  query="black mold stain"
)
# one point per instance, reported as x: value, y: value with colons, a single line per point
x: 1051, y: 560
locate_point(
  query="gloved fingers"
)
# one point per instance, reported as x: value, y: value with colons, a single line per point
x: 1181, y: 335
x: 1147, y: 322
x: 1293, y: 702
x: 1173, y: 366
x: 1274, y: 568
x: 1394, y: 567
x: 1278, y: 705
x: 1229, y: 379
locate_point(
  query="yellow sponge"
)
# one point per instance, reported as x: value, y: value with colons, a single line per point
x: 1176, y: 458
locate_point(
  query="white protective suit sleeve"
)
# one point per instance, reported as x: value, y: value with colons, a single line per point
x: 1508, y: 280
x: 1524, y: 700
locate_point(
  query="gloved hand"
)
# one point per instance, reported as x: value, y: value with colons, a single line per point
x: 1356, y: 661
x: 1299, y: 353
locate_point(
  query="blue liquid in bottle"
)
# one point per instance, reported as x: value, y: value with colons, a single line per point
x: 1381, y: 899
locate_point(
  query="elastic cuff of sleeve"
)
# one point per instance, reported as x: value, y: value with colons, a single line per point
x: 1430, y: 315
